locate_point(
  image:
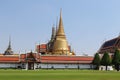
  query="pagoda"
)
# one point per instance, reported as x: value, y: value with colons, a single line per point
x: 9, y: 51
x: 58, y: 44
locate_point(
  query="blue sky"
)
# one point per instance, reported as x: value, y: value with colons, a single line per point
x: 87, y: 23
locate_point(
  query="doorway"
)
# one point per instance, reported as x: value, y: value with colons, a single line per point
x: 30, y: 66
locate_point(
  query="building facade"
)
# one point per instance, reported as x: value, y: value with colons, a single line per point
x: 58, y: 44
x: 32, y: 61
x: 55, y: 54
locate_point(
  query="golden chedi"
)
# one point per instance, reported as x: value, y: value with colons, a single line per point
x: 58, y: 44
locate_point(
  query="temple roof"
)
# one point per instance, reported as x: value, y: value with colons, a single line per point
x: 43, y: 46
x: 110, y: 45
x: 35, y: 57
x: 66, y: 59
x: 30, y: 57
x: 111, y: 42
x: 9, y: 58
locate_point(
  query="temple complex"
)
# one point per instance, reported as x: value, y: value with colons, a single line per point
x: 55, y: 54
x: 58, y: 45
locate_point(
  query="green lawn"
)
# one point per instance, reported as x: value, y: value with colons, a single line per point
x: 58, y: 75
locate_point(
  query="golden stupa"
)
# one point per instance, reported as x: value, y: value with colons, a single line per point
x: 58, y: 44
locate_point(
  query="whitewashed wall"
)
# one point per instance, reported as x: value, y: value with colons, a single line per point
x: 49, y: 66
x: 67, y: 66
x: 9, y: 65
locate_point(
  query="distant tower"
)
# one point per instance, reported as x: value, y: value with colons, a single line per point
x: 53, y: 33
x: 9, y: 49
x: 60, y: 46
x: 51, y: 42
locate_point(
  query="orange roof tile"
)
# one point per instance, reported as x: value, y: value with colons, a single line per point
x: 46, y: 59
x: 72, y: 62
x: 9, y: 58
x: 43, y: 46
x: 66, y: 59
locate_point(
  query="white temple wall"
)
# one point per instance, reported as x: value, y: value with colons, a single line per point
x: 84, y: 66
x: 65, y: 66
x: 46, y: 66
x: 9, y: 65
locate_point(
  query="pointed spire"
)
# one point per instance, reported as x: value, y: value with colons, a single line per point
x: 53, y: 33
x: 61, y: 13
x: 60, y: 46
x: 9, y: 49
x: 57, y: 22
x: 56, y: 30
x: 60, y: 28
x: 9, y: 46
x: 56, y: 26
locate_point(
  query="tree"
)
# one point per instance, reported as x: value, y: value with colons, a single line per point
x: 106, y: 60
x: 116, y: 59
x: 96, y: 60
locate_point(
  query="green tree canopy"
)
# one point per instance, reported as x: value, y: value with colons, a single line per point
x: 96, y: 60
x: 106, y: 60
x: 116, y: 59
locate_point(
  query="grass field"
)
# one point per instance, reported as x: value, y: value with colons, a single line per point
x: 59, y: 75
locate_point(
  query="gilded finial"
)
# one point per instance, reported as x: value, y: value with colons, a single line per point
x: 9, y: 42
x: 60, y: 12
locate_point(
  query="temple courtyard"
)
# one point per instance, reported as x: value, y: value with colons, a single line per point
x: 58, y: 75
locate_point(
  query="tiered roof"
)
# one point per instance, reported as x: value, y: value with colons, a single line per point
x: 66, y: 59
x: 9, y: 58
x: 36, y: 57
x: 30, y: 57
x: 9, y: 49
x: 110, y: 45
